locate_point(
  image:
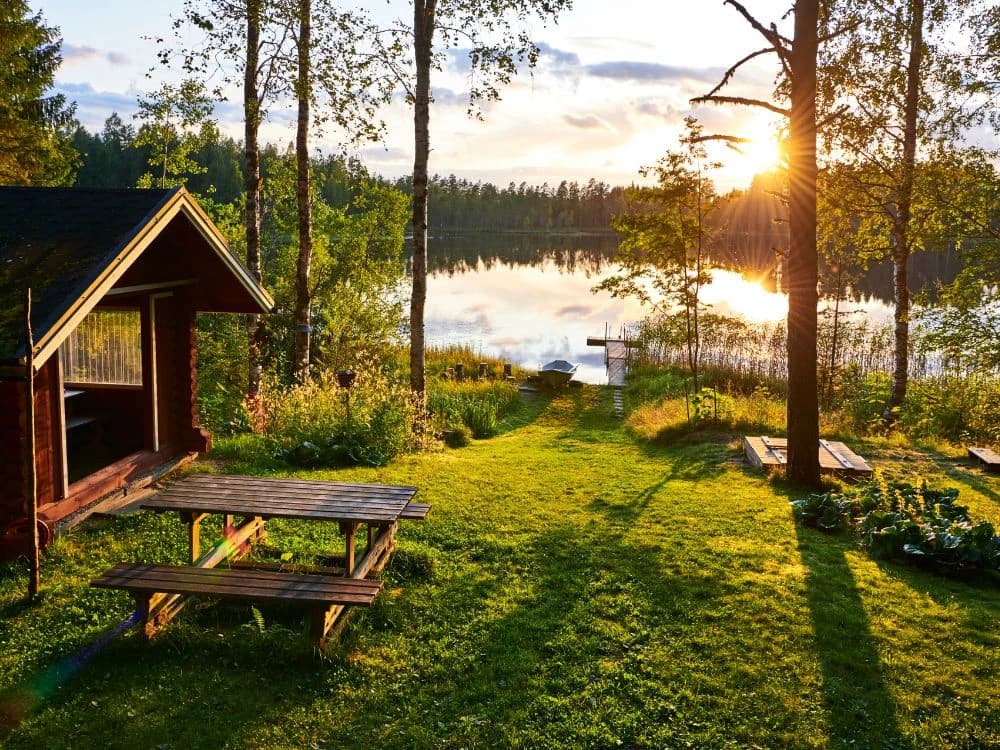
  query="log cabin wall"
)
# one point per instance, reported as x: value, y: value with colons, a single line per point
x: 48, y: 435
x: 12, y: 435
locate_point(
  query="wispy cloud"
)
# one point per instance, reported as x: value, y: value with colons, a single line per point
x: 647, y: 72
x: 74, y: 54
x: 93, y: 107
x: 586, y: 122
x: 558, y: 56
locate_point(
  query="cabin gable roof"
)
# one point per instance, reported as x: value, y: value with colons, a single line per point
x: 70, y: 246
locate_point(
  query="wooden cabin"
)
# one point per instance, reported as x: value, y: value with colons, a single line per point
x: 116, y: 278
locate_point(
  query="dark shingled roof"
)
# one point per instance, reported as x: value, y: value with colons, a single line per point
x: 57, y: 241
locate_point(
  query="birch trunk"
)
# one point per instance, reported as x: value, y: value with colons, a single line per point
x: 303, y: 294
x: 899, y: 239
x: 251, y: 184
x: 423, y: 35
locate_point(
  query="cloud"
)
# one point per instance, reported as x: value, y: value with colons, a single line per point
x: 449, y: 98
x: 646, y: 72
x: 558, y: 56
x: 94, y: 107
x: 656, y: 108
x: 586, y: 122
x: 74, y: 54
x: 574, y: 311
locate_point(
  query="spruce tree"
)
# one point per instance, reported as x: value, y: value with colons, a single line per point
x: 35, y: 147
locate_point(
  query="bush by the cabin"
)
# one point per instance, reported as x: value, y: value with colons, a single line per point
x: 321, y: 424
x: 902, y: 521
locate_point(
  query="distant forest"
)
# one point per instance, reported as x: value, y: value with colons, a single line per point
x: 111, y: 158
x: 752, y: 234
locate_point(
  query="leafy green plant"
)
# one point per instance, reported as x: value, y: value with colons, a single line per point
x: 827, y: 511
x: 903, y: 521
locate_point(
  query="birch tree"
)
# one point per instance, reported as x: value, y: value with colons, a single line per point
x: 242, y: 43
x: 496, y: 35
x: 909, y: 84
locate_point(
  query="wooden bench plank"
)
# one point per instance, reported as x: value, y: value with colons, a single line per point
x: 310, y: 485
x: 986, y: 456
x: 415, y: 512
x: 274, y: 509
x: 241, y: 584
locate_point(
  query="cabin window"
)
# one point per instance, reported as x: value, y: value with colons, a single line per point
x: 106, y: 348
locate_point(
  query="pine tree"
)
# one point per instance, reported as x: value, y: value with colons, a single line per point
x: 35, y: 146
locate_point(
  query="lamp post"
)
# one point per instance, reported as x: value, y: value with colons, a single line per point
x: 345, y: 379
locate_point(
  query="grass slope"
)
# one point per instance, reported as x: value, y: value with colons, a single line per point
x: 572, y: 588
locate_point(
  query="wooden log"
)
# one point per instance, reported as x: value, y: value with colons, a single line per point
x: 459, y: 371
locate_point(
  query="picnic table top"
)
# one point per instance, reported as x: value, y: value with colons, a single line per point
x: 284, y: 498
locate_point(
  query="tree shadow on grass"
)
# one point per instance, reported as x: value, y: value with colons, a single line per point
x: 978, y: 481
x: 860, y: 709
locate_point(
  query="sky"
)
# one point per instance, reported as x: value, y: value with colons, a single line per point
x: 607, y: 97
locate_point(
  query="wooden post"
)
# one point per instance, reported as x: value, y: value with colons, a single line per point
x: 507, y: 370
x: 484, y: 370
x: 459, y: 372
x: 349, y: 529
x: 31, y: 495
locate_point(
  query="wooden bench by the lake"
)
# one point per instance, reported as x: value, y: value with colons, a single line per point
x: 769, y: 453
x: 321, y: 596
x: 988, y: 457
x: 326, y: 592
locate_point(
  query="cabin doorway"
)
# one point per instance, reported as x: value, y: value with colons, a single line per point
x: 103, y: 392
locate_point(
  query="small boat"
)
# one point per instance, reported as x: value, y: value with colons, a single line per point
x: 556, y: 373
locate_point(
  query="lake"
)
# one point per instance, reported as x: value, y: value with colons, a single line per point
x: 528, y: 299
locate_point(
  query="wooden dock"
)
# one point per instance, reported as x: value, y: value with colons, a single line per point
x: 616, y: 359
x: 988, y: 457
x: 770, y: 452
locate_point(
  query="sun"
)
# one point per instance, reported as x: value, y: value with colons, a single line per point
x: 762, y: 154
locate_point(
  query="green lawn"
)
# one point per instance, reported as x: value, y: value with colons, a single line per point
x: 572, y: 587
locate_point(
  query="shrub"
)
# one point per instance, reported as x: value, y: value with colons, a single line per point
x: 458, y: 436
x: 901, y: 521
x: 313, y: 424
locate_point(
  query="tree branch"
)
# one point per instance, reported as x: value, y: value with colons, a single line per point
x: 727, y: 76
x: 742, y: 101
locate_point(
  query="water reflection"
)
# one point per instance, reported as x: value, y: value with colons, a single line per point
x: 528, y: 299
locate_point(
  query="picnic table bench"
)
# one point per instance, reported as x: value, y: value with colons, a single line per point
x: 324, y: 592
x: 318, y: 594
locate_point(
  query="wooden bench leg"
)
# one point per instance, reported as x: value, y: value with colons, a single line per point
x: 321, y: 619
x: 143, y: 601
x: 193, y: 521
x: 349, y: 530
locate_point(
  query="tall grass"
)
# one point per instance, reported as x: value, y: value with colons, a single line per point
x: 741, y: 358
x: 480, y: 405
x: 320, y: 423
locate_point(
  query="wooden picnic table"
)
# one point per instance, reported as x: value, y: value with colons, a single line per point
x: 255, y: 499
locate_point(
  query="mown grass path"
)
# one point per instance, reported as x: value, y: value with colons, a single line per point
x: 572, y: 588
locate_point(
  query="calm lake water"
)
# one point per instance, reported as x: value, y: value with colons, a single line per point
x: 528, y: 298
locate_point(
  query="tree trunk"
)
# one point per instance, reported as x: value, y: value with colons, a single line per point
x: 803, y: 400
x: 251, y: 185
x: 423, y: 35
x: 303, y: 295
x: 899, y: 239
x: 31, y: 477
